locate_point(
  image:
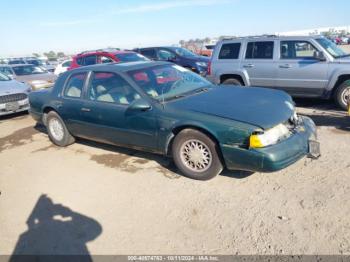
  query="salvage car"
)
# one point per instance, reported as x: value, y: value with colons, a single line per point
x: 37, y: 77
x: 13, y: 96
x: 164, y: 108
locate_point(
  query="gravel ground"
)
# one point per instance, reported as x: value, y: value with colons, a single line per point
x: 95, y: 199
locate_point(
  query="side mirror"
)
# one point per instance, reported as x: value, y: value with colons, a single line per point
x: 318, y: 55
x: 140, y: 105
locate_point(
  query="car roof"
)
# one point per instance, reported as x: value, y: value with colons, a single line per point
x: 271, y: 38
x: 116, y: 52
x: 169, y: 47
x: 122, y: 67
x: 16, y: 65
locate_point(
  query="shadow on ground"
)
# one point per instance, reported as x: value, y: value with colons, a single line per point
x: 54, y: 229
x: 167, y: 165
x: 325, y: 113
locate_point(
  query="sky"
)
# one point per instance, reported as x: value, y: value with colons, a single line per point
x: 29, y: 26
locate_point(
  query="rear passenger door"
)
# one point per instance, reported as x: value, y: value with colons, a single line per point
x: 70, y: 105
x: 259, y: 64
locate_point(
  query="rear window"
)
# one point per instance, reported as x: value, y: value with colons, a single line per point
x: 260, y: 50
x: 230, y: 51
x: 130, y: 57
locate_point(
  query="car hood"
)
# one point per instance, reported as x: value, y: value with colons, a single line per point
x: 264, y: 108
x: 12, y: 87
x: 29, y: 78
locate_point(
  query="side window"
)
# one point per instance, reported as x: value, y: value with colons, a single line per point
x: 111, y: 88
x: 166, y: 55
x: 297, y: 50
x: 80, y: 60
x: 6, y: 71
x: 230, y: 51
x: 67, y: 64
x: 75, y: 85
x: 105, y: 59
x: 90, y: 60
x: 150, y: 53
x: 260, y: 50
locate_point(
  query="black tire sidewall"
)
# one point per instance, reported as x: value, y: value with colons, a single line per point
x: 67, y: 137
x: 216, y: 165
x: 232, y: 81
x: 338, y: 94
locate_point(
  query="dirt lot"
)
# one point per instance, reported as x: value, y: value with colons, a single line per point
x: 106, y: 200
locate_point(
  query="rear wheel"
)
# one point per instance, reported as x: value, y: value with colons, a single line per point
x: 342, y: 95
x: 57, y: 130
x: 232, y: 81
x: 196, y: 155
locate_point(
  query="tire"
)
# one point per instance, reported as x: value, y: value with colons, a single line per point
x: 192, y: 139
x: 341, y: 95
x: 232, y: 81
x: 57, y: 130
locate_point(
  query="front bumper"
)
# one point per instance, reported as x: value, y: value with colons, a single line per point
x: 275, y: 157
x: 22, y: 105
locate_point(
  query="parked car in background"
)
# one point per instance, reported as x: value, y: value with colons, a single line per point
x: 63, y: 67
x: 37, y: 77
x: 307, y: 66
x: 177, y: 55
x: 32, y: 61
x: 164, y: 108
x: 13, y: 96
x: 207, y: 50
x: 104, y: 56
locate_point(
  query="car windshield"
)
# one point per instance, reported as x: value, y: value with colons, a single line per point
x: 130, y: 57
x: 332, y: 48
x: 4, y: 77
x: 28, y: 70
x: 183, y: 52
x: 35, y: 62
x: 167, y: 82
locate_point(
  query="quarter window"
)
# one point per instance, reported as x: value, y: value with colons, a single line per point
x: 75, y: 85
x: 230, y: 51
x: 111, y: 88
x: 297, y: 50
x: 260, y: 50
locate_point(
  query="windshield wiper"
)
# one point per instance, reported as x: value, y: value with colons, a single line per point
x: 174, y: 97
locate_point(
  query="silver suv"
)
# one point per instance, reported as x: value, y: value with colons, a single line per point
x: 307, y: 66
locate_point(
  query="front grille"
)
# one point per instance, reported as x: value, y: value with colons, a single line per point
x: 12, y: 98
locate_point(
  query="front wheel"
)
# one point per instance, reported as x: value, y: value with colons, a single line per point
x: 196, y: 155
x: 232, y: 81
x: 342, y: 95
x: 57, y: 130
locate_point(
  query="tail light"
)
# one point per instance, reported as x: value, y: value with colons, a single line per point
x: 209, y: 68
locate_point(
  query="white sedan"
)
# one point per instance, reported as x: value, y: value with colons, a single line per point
x: 62, y: 67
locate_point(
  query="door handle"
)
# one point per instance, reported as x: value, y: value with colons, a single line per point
x: 84, y: 109
x: 286, y: 66
x: 248, y: 66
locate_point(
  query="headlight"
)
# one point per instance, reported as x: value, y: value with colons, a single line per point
x: 39, y: 82
x: 202, y: 64
x: 269, y: 137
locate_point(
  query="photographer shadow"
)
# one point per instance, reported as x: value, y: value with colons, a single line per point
x: 53, y: 231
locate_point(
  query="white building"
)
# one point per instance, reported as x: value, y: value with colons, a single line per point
x: 316, y: 31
